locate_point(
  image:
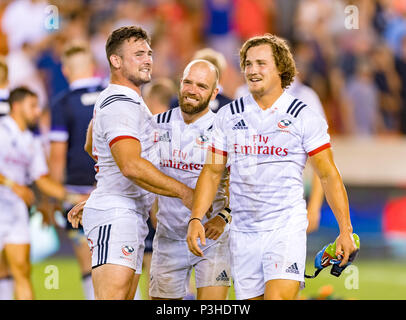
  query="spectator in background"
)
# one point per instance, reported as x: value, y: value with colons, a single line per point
x: 364, y: 100
x: 400, y: 64
x: 253, y: 17
x: 219, y: 30
x: 388, y: 84
x: 49, y: 65
x: 23, y: 22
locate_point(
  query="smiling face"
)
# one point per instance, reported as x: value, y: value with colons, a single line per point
x: 136, y: 61
x: 197, y: 87
x: 260, y: 70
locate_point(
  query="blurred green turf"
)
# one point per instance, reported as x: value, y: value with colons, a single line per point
x: 377, y: 280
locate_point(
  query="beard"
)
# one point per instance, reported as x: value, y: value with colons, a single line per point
x: 137, y: 79
x: 189, y: 108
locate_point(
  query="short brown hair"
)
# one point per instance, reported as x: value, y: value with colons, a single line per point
x: 284, y: 61
x: 73, y: 49
x: 19, y: 94
x: 118, y: 36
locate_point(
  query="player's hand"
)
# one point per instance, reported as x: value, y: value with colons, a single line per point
x: 345, y: 245
x: 209, y: 212
x: 214, y: 227
x: 24, y: 193
x: 187, y: 197
x: 195, y: 231
x: 75, y: 214
x: 47, y: 209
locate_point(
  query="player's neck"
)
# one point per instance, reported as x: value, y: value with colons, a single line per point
x: 190, y: 118
x: 19, y: 121
x: 267, y: 99
x: 122, y: 81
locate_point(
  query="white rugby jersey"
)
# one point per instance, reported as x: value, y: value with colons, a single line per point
x: 120, y: 113
x: 22, y: 158
x: 266, y: 152
x: 183, y: 149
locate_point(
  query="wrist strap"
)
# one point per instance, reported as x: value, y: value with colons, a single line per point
x: 194, y: 219
x: 225, y: 215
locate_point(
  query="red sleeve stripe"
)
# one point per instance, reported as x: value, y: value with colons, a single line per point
x: 120, y: 138
x: 221, y: 152
x: 321, y: 148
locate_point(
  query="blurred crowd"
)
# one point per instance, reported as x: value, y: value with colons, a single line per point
x: 352, y: 53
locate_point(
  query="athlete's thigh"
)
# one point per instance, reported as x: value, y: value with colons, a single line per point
x: 246, y: 264
x: 18, y: 257
x: 281, y: 289
x: 116, y: 237
x: 213, y: 271
x: 285, y: 254
x: 284, y: 262
x: 112, y: 281
x: 170, y: 268
x: 213, y: 293
x: 18, y: 230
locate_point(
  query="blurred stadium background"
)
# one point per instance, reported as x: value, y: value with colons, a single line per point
x: 352, y: 53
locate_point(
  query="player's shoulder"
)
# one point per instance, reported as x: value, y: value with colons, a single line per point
x: 295, y: 107
x: 234, y: 107
x: 109, y: 97
x: 164, y: 118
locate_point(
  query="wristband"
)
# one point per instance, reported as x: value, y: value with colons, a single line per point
x: 225, y: 215
x: 194, y: 219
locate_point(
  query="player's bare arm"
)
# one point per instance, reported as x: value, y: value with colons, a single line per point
x: 315, y: 202
x: 127, y: 154
x: 205, y: 192
x: 22, y: 192
x: 89, y: 141
x: 54, y: 189
x: 337, y: 199
x: 216, y: 225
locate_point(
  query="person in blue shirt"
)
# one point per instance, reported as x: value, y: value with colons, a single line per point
x: 71, y: 113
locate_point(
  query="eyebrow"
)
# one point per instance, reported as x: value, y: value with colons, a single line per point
x: 257, y: 60
x: 143, y: 51
x: 201, y: 84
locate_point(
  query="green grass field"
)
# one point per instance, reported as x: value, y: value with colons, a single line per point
x: 375, y: 279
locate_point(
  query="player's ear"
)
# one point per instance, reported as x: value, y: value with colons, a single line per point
x: 214, y: 94
x: 115, y: 61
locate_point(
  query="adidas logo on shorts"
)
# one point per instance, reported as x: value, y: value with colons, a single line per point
x: 223, y: 276
x: 293, y: 269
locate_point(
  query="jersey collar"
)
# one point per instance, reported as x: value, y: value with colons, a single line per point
x: 278, y: 104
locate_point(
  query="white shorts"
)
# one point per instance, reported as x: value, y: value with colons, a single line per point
x: 14, y: 222
x: 257, y: 257
x: 172, y: 264
x: 116, y: 236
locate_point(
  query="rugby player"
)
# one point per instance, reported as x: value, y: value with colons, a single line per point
x: 265, y: 138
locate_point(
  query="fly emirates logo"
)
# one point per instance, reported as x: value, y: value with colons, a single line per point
x: 259, y: 144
